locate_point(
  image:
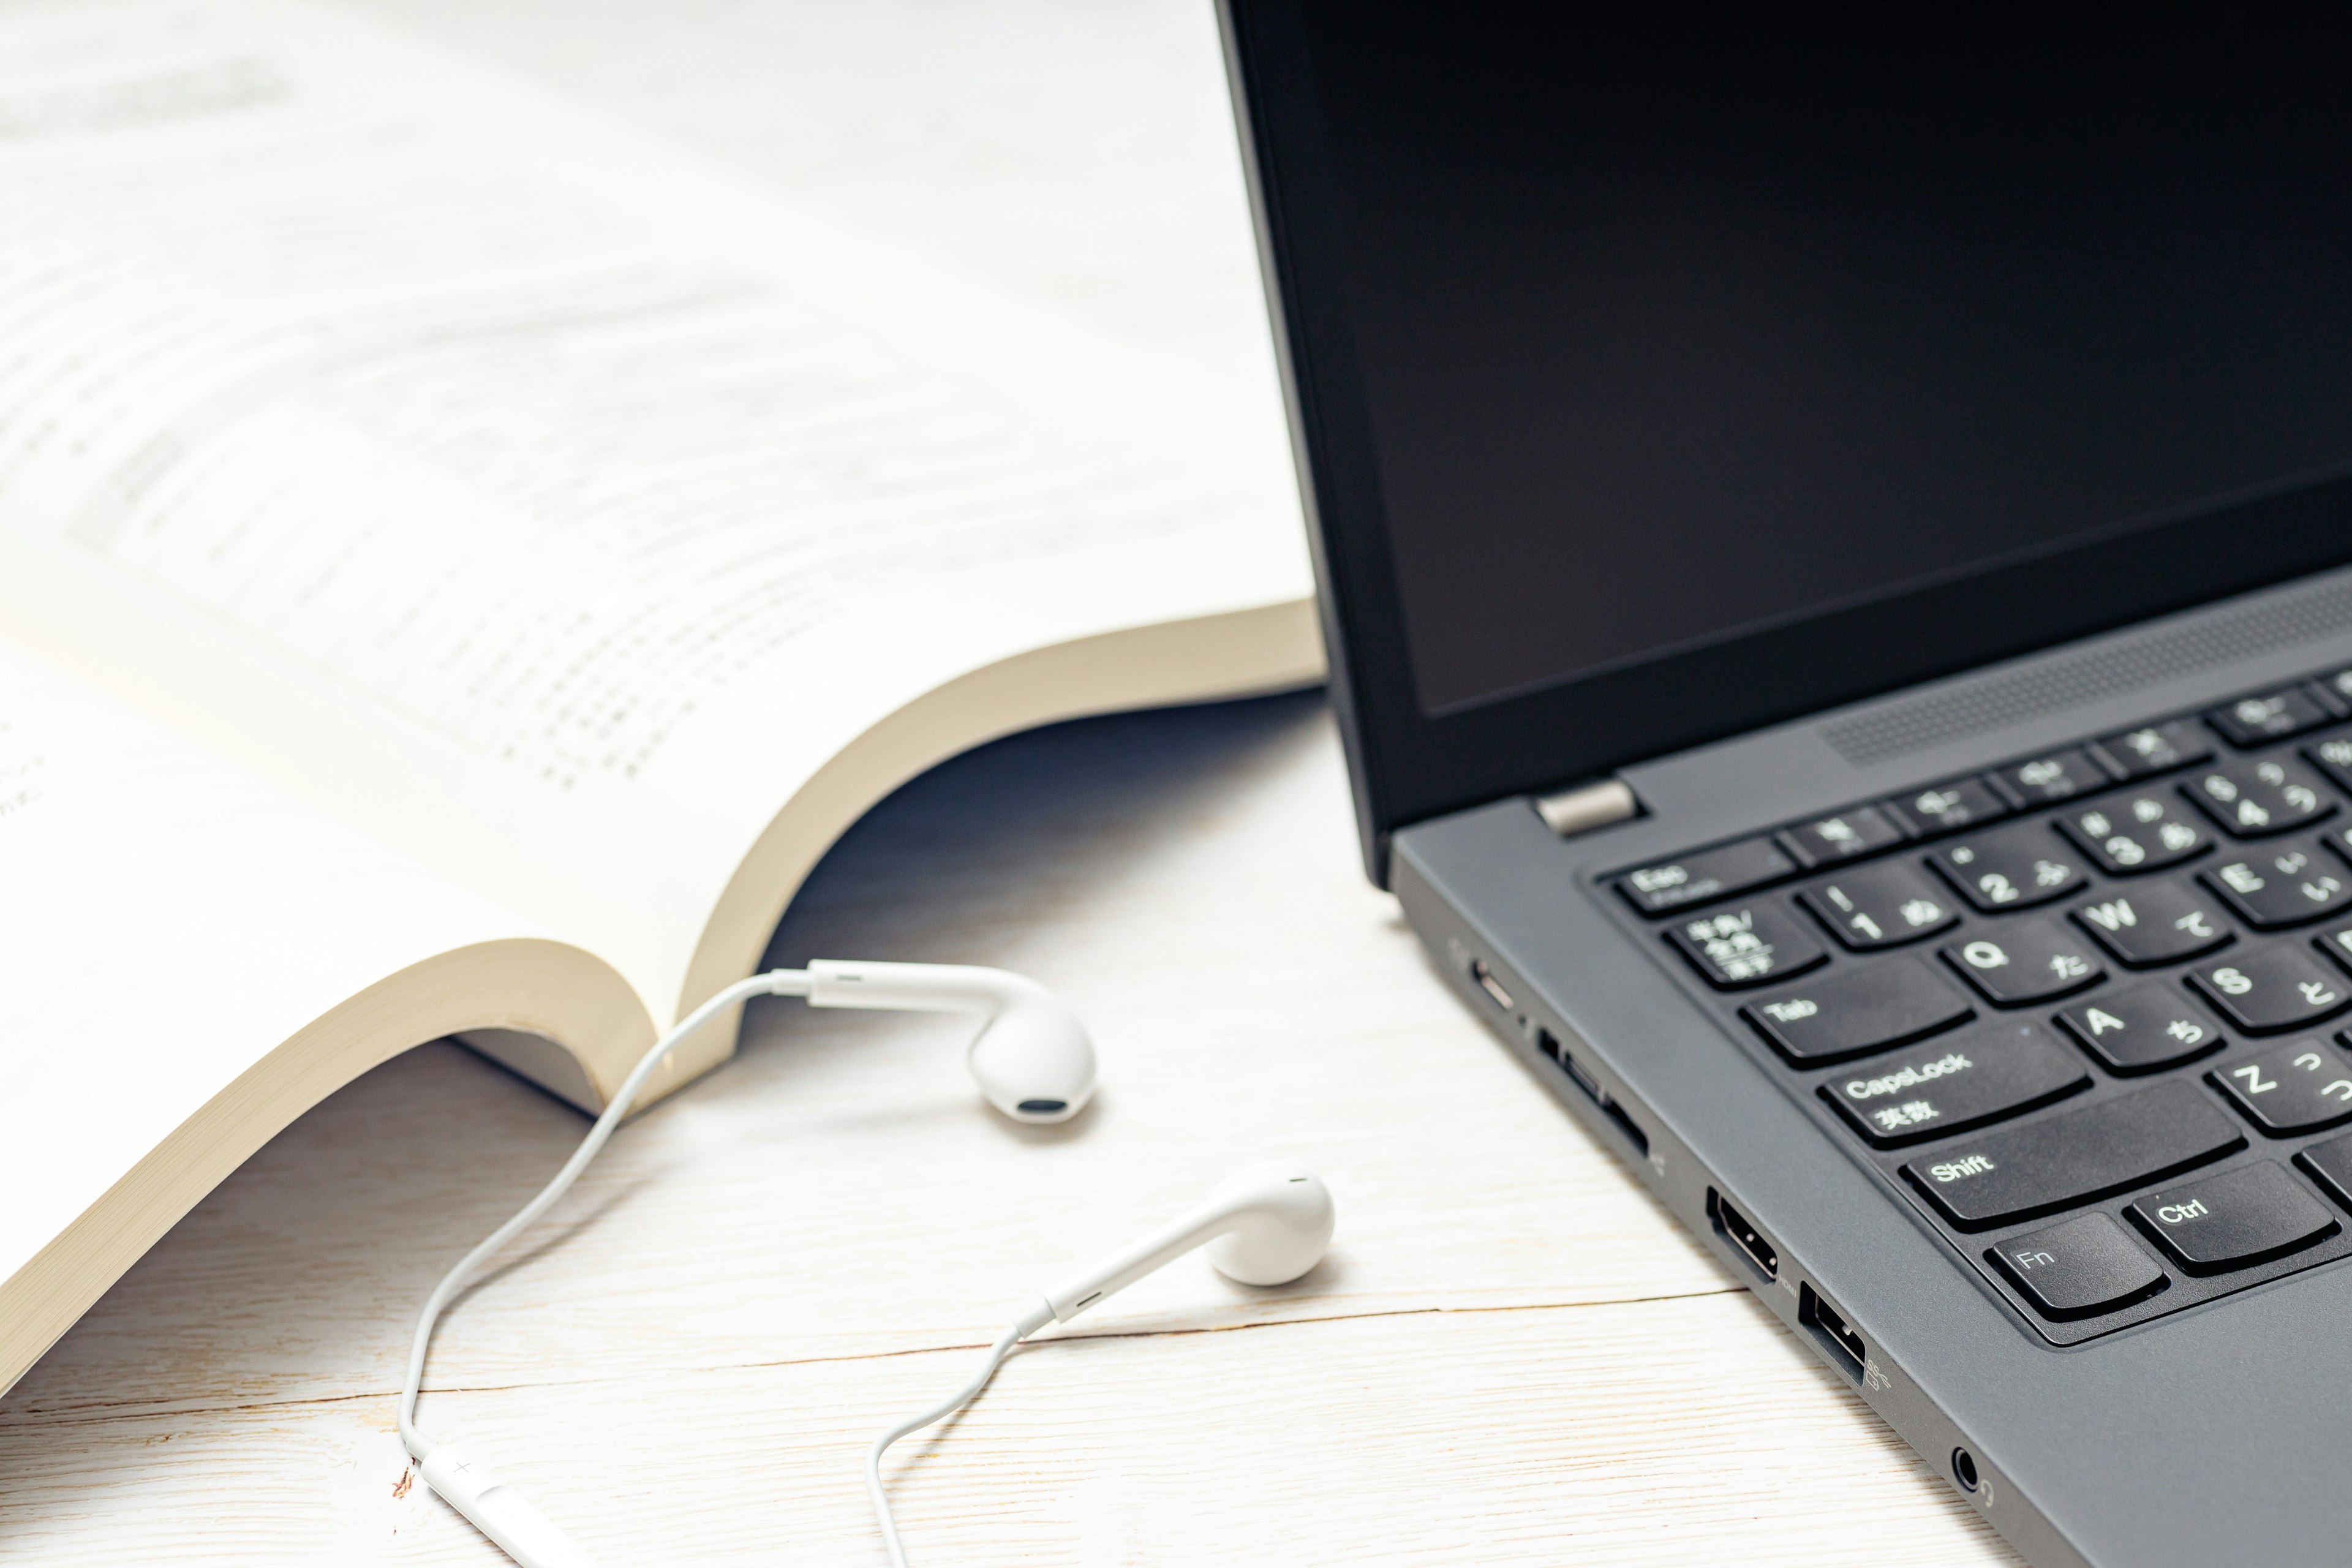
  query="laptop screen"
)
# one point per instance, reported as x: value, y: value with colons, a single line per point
x: 1674, y: 326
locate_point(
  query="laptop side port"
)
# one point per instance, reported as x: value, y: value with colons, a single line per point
x: 1493, y: 987
x: 1830, y: 1327
x: 1733, y: 1226
x: 1578, y: 1074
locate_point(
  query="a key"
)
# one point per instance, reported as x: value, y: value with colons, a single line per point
x: 2079, y: 1267
x: 1956, y: 1082
x: 2235, y: 1220
x: 2157, y: 748
x: 1948, y: 809
x: 2300, y: 1087
x: 2058, y: 777
x: 2284, y: 885
x: 2021, y: 962
x: 1862, y: 831
x: 2335, y: 690
x: 1855, y: 1011
x: 2330, y: 1165
x: 2157, y: 922
x: 1711, y: 874
x: 2010, y: 868
x: 2256, y: 800
x: 2072, y: 1157
x: 1737, y: 948
x: 2271, y: 989
x: 1881, y: 906
x: 2128, y: 834
x: 2271, y: 716
x: 2142, y: 1029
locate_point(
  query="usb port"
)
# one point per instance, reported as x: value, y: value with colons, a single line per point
x: 1490, y: 986
x: 1833, y: 1331
x: 1744, y: 1235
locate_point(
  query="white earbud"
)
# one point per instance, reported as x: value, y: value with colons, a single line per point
x: 1267, y: 1225
x: 1031, y: 1058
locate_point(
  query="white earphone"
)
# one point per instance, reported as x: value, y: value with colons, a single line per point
x: 1032, y: 1062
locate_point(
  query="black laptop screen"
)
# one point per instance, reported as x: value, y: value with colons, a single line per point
x: 1674, y: 326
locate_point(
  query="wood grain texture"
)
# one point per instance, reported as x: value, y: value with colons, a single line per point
x: 1511, y: 1355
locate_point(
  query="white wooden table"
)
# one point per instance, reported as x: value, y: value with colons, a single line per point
x: 1511, y: 1354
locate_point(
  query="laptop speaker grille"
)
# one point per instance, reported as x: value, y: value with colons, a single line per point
x: 1976, y: 707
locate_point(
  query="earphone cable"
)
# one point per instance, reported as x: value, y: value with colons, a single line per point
x: 1029, y: 1324
x: 776, y: 983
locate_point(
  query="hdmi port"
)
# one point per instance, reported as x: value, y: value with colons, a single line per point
x: 1743, y: 1235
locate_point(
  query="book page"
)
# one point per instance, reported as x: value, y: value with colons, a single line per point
x: 168, y: 925
x: 546, y: 506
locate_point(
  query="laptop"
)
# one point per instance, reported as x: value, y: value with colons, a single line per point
x: 1833, y: 531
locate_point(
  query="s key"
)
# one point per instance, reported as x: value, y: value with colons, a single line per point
x: 2270, y: 991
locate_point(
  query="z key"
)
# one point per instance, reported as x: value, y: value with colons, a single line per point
x: 2300, y: 1087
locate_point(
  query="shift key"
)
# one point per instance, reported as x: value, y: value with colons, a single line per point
x: 2079, y: 1157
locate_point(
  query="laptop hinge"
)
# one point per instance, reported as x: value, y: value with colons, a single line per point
x: 1569, y: 812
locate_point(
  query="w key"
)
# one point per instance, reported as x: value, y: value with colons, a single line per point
x: 2297, y: 1088
x: 2270, y: 991
x: 2160, y: 922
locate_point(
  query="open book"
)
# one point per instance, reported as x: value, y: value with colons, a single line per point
x: 460, y: 566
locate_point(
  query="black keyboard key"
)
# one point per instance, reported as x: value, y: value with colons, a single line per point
x: 2159, y: 922
x: 1711, y: 874
x: 1864, y: 830
x: 2157, y: 748
x: 2256, y: 800
x: 2079, y: 1267
x: 2330, y: 1165
x: 1955, y: 1083
x: 2076, y: 1156
x: 2335, y: 690
x: 2284, y: 885
x: 2062, y: 775
x: 2333, y: 757
x: 2023, y: 962
x: 2271, y: 989
x: 2300, y: 1087
x: 1881, y: 906
x: 2269, y: 716
x: 2235, y: 1220
x: 1737, y: 948
x: 1855, y: 1011
x: 2129, y: 834
x: 2010, y: 868
x: 2142, y: 1029
x: 1948, y: 809
x: 2336, y: 944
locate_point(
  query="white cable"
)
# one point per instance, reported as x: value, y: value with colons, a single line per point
x: 776, y: 983
x: 1036, y: 1319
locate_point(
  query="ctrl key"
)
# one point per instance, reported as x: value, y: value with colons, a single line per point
x: 2086, y: 1266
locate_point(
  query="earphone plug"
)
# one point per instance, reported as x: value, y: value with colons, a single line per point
x: 499, y: 1511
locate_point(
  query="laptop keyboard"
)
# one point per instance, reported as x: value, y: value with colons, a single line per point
x: 2086, y: 1011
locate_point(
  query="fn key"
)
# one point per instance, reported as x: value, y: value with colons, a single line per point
x: 2079, y: 1268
